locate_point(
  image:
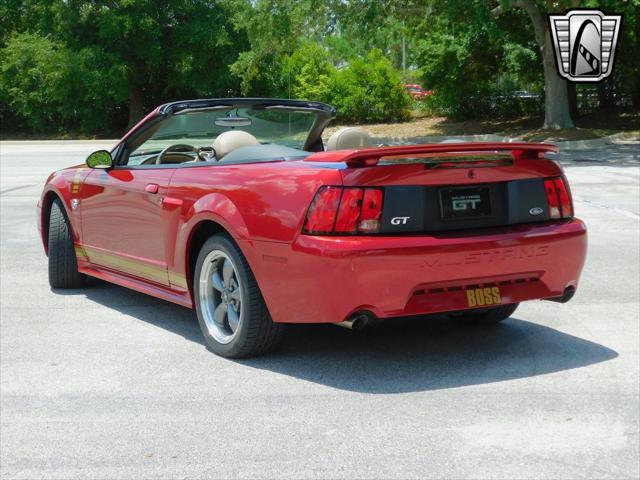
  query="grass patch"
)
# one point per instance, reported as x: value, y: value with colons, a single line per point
x: 588, y: 127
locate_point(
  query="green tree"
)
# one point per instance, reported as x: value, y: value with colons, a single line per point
x: 47, y: 84
x: 308, y: 72
x: 156, y: 47
x: 275, y: 30
x: 95, y: 65
x: 368, y: 90
x: 133, y: 52
x: 557, y: 112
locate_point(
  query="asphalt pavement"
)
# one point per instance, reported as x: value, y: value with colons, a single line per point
x: 105, y: 382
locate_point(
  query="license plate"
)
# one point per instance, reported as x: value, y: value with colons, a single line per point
x: 468, y: 202
x: 482, y: 297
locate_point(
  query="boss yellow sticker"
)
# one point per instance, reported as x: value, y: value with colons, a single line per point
x: 480, y: 297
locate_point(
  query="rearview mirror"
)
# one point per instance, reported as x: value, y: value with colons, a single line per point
x: 100, y: 159
x: 233, y: 122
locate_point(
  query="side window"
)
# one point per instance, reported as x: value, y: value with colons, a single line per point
x: 172, y: 154
x: 178, y: 139
x: 188, y: 135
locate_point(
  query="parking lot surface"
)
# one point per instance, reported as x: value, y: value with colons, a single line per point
x: 105, y: 382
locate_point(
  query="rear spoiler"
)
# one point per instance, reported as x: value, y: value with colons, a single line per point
x: 371, y: 156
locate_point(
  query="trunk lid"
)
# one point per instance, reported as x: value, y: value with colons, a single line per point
x: 443, y: 187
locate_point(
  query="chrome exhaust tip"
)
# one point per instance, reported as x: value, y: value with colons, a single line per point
x: 356, y: 322
x: 568, y: 294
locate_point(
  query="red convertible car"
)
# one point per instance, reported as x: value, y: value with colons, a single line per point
x: 236, y: 207
x: 416, y: 91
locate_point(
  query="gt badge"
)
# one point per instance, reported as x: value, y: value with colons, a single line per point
x: 74, y: 203
x: 465, y: 202
x: 399, y: 220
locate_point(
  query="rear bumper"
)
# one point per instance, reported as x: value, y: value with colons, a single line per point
x: 326, y: 279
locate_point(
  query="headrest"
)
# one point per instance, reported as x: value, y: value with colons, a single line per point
x: 228, y: 141
x: 349, y: 138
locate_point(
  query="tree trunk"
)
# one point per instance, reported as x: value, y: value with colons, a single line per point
x: 556, y: 101
x: 605, y: 100
x: 135, y: 105
x: 636, y: 93
x: 572, y: 91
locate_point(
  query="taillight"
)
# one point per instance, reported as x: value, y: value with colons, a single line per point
x: 349, y: 211
x: 344, y: 210
x: 322, y: 213
x: 559, y: 197
x: 562, y: 186
x: 369, y: 221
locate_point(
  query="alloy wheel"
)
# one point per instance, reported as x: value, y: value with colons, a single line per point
x: 220, y: 296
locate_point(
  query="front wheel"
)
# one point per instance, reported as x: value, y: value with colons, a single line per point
x: 63, y: 264
x: 487, y: 315
x: 231, y: 312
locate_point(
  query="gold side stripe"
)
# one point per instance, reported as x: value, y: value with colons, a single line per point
x: 178, y: 280
x: 81, y: 254
x: 131, y: 266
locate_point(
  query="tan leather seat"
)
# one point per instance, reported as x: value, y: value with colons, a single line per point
x: 349, y: 138
x: 227, y: 142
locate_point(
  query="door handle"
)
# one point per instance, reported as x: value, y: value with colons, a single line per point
x: 151, y: 188
x: 171, y: 202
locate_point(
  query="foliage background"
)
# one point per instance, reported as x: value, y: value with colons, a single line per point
x: 94, y: 66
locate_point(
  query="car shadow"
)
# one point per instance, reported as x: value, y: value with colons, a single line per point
x: 427, y: 353
x: 160, y: 313
x: 399, y: 355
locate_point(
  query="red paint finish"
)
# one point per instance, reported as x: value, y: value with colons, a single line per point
x: 253, y: 202
x: 414, y: 174
x: 384, y: 274
x: 120, y: 216
x: 371, y: 156
x: 135, y: 227
x: 417, y: 91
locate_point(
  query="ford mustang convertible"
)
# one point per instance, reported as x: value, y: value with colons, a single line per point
x: 237, y: 208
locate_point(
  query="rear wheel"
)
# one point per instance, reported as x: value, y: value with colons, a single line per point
x: 63, y: 264
x: 486, y: 315
x: 231, y: 312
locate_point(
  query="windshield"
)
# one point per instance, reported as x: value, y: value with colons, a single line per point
x: 199, y: 127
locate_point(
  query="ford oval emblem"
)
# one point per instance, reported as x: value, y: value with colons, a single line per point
x: 535, y: 211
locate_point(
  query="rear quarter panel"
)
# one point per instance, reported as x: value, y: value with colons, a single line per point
x: 263, y: 202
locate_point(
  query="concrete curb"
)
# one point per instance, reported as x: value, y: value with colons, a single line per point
x: 618, y: 138
x: 633, y: 138
x: 52, y: 146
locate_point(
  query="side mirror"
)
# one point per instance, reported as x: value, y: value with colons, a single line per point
x: 100, y: 159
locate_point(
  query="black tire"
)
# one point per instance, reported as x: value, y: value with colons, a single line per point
x: 63, y: 264
x: 487, y: 315
x: 256, y: 333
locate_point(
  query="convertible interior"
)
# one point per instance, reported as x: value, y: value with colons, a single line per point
x: 238, y: 146
x: 234, y: 131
